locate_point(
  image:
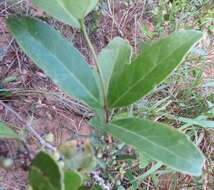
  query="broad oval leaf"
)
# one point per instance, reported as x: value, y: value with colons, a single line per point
x: 113, y: 59
x: 57, y: 57
x: 55, y: 9
x: 72, y: 180
x: 151, y: 67
x: 79, y: 8
x: 159, y: 141
x: 6, y: 132
x: 45, y: 173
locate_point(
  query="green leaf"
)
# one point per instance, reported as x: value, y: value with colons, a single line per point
x: 113, y: 59
x: 72, y: 180
x: 79, y: 9
x: 8, y: 80
x: 55, y: 9
x: 45, y: 173
x: 57, y: 57
x: 5, y: 92
x: 39, y: 181
x: 149, y: 172
x: 201, y: 121
x: 6, y: 132
x: 144, y: 160
x: 84, y: 188
x: 96, y: 187
x: 160, y: 142
x: 151, y: 67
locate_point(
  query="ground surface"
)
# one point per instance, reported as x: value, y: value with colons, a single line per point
x: 41, y: 104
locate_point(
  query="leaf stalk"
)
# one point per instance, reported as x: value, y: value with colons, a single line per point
x: 91, y: 47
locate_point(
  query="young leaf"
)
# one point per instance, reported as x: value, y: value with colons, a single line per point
x: 6, y: 132
x: 151, y: 67
x: 113, y: 59
x: 72, y: 180
x: 45, y: 173
x: 79, y: 9
x: 80, y: 158
x: 159, y: 141
x: 55, y: 9
x: 57, y: 57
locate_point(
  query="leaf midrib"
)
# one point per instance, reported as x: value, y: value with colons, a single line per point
x: 58, y: 60
x: 115, y: 63
x: 141, y: 79
x: 151, y: 142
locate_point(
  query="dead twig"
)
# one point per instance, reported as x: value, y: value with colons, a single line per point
x: 100, y: 181
x: 29, y: 128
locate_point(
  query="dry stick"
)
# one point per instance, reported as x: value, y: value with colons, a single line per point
x: 14, y: 4
x: 114, y: 22
x: 29, y: 128
x: 100, y: 181
x: 112, y: 17
x: 135, y: 34
x: 63, y: 100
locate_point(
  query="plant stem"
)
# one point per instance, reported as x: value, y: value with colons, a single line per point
x: 91, y: 47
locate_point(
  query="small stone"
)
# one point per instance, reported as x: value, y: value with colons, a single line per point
x: 56, y: 155
x: 49, y: 138
x: 7, y: 163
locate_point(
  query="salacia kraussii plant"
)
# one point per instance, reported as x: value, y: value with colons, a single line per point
x: 118, y: 80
